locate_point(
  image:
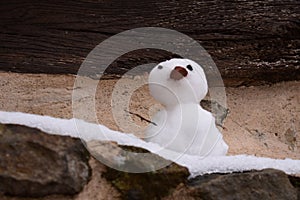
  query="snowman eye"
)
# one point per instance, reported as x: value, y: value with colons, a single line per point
x: 189, y: 67
x: 159, y: 67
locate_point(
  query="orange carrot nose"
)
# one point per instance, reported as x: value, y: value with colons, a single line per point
x: 178, y: 73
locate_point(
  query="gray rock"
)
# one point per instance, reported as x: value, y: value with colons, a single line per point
x: 35, y: 164
x: 219, y: 112
x: 151, y: 185
x: 295, y: 180
x: 265, y: 184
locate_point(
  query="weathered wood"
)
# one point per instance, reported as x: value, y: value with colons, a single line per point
x: 250, y: 41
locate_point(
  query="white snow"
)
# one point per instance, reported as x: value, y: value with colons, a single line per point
x: 183, y: 125
x: 196, y: 165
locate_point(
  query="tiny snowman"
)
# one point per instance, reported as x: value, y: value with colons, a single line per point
x: 183, y: 125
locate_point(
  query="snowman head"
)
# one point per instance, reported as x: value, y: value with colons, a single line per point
x: 178, y: 81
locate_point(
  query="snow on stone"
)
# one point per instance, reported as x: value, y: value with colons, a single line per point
x: 196, y: 165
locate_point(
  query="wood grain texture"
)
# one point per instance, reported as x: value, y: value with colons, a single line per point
x: 250, y: 41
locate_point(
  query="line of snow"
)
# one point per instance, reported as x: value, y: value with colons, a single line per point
x: 196, y: 165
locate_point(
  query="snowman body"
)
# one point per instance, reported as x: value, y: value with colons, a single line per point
x: 183, y: 125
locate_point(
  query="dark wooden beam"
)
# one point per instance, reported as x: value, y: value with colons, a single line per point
x: 250, y: 41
